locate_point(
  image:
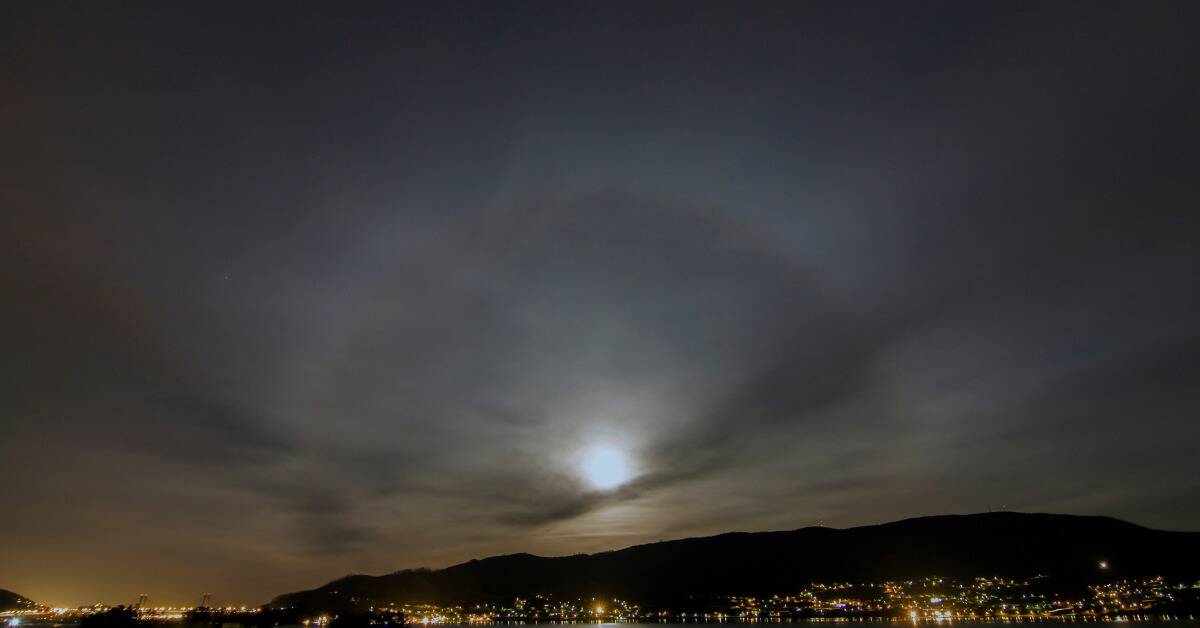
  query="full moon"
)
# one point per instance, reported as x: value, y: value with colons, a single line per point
x: 605, y: 467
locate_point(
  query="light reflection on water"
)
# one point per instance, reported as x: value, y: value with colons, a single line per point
x: 1141, y: 620
x: 1147, y: 621
x: 897, y: 622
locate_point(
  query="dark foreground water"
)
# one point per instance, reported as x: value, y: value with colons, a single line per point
x: 1142, y: 621
x: 1145, y: 621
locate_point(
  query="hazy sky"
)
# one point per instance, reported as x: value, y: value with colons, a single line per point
x: 292, y: 291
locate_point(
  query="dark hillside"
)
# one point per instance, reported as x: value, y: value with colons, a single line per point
x: 1017, y: 545
x: 10, y: 601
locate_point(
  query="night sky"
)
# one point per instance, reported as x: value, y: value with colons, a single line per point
x: 292, y: 291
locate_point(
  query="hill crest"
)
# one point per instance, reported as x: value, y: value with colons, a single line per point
x: 10, y: 601
x: 1009, y: 544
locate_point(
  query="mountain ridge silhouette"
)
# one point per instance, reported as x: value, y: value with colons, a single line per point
x: 1069, y: 548
x: 10, y: 601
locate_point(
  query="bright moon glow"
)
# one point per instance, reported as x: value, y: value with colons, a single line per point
x: 605, y: 467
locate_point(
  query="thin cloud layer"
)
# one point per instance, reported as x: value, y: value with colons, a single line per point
x: 352, y: 289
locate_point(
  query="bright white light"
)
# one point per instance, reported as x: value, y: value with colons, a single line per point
x: 605, y: 468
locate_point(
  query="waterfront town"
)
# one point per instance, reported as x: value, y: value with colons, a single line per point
x: 920, y: 600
